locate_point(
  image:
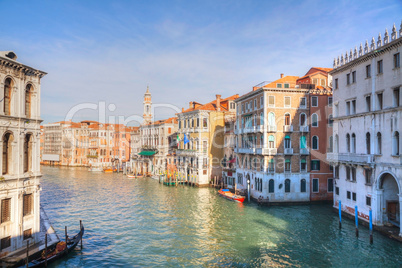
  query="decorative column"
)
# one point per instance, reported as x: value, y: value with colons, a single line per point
x: 377, y: 207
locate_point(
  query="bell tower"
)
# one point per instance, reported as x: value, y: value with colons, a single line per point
x: 147, y: 116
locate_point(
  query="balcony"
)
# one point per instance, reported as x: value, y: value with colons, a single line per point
x: 288, y: 151
x: 351, y: 158
x: 271, y: 128
x: 269, y: 151
x: 181, y: 152
x: 303, y: 128
x: 245, y: 150
x: 260, y: 128
x: 287, y: 128
x: 304, y: 151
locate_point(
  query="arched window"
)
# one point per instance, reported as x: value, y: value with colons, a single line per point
x: 287, y: 142
x: 271, y: 141
x: 28, y: 93
x: 303, y: 143
x: 379, y: 151
x: 261, y: 119
x: 314, y: 120
x: 7, y: 138
x: 395, y: 143
x: 368, y: 143
x: 271, y: 119
x: 353, y: 143
x: 287, y: 119
x: 271, y: 187
x: 314, y: 143
x: 27, y: 153
x: 303, y: 121
x: 8, y: 84
x: 303, y: 186
x: 287, y: 186
x: 331, y: 144
x: 348, y: 143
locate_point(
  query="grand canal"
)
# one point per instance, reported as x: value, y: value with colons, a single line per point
x: 140, y: 223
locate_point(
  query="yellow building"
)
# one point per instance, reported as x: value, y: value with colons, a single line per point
x: 201, y: 140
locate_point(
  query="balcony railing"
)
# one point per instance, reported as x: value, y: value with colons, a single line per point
x: 271, y: 128
x: 269, y: 151
x: 304, y: 151
x: 287, y: 128
x: 182, y: 152
x: 303, y: 128
x: 245, y: 150
x: 351, y: 158
x: 288, y: 151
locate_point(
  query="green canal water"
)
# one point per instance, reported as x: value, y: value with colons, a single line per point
x: 141, y: 223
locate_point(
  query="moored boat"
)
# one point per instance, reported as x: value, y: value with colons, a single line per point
x: 131, y: 176
x: 108, y: 170
x: 231, y: 196
x: 57, y: 251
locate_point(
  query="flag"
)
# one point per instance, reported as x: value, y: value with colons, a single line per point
x: 185, y: 139
x: 178, y: 140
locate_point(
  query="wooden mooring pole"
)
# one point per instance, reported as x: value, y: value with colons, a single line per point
x: 340, y: 214
x: 357, y: 221
x: 371, y: 226
x: 27, y: 253
x: 80, y: 231
x: 65, y: 232
x: 46, y: 250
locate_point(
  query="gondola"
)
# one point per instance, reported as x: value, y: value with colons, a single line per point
x: 57, y: 251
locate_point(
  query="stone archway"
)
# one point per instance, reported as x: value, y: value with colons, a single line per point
x: 390, y: 200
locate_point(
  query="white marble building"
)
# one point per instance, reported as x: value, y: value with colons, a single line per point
x: 367, y: 113
x: 20, y: 146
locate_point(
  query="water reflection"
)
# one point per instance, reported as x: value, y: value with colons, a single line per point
x: 140, y: 223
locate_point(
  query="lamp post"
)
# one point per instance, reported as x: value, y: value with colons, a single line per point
x: 248, y: 189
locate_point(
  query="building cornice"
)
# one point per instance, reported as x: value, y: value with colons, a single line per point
x: 29, y: 71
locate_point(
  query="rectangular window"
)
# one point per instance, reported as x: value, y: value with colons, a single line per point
x: 396, y: 97
x: 368, y: 71
x: 5, y: 210
x: 27, y: 204
x: 303, y: 165
x: 368, y: 103
x: 330, y: 184
x: 348, y: 108
x: 368, y: 201
x: 337, y: 190
x: 379, y: 101
x: 315, y: 81
x: 302, y: 102
x: 287, y: 165
x: 367, y: 175
x: 336, y: 172
x: 336, y: 83
x: 314, y: 101
x: 262, y: 102
x: 354, y: 77
x: 315, y: 164
x: 353, y: 169
x: 5, y: 242
x: 347, y: 170
x: 353, y: 107
x: 287, y: 102
x: 397, y: 61
x: 354, y: 196
x: 315, y: 186
x: 348, y: 194
x: 329, y: 101
x: 271, y: 101
x: 347, y: 79
x: 279, y: 85
x: 286, y: 85
x: 27, y: 234
x: 379, y: 67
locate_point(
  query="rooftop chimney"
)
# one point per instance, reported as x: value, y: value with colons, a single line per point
x: 182, y: 109
x: 281, y: 75
x: 218, y: 102
x: 190, y: 104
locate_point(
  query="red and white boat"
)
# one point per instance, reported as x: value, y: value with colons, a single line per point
x: 231, y: 196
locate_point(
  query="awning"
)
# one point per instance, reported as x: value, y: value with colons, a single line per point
x: 147, y: 153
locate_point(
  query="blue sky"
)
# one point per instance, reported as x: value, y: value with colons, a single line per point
x: 109, y: 51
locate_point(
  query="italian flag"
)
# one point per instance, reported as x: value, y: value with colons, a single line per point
x: 178, y: 141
